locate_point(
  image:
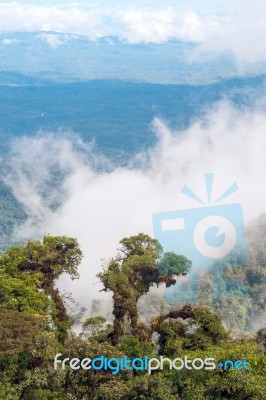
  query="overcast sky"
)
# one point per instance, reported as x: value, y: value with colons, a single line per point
x: 237, y: 26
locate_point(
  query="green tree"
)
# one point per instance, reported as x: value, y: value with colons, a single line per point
x: 131, y: 274
x: 96, y: 328
x: 190, y: 327
x: 33, y: 317
x: 41, y: 264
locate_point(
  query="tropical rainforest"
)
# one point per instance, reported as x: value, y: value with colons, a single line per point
x: 36, y: 324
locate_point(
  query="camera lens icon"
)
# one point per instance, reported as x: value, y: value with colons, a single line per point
x: 204, y: 234
x: 215, y: 236
x: 212, y: 236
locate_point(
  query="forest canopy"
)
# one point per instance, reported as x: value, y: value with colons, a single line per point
x: 36, y: 324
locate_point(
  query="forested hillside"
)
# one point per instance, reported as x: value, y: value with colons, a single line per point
x: 36, y: 326
x: 11, y: 215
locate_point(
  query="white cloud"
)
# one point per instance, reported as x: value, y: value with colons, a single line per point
x: 236, y: 26
x: 163, y: 24
x: 130, y: 23
x: 54, y: 40
x: 8, y: 41
x: 21, y: 17
x: 100, y: 208
x: 242, y: 32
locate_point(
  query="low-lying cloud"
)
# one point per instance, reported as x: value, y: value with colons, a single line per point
x: 237, y: 27
x: 99, y: 202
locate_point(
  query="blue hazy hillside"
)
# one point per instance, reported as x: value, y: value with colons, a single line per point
x: 107, y: 91
x: 59, y: 57
x: 116, y: 114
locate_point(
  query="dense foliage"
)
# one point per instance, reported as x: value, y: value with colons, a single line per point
x: 35, y: 325
x: 139, y: 264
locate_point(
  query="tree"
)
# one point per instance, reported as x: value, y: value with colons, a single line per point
x: 95, y: 328
x: 190, y: 327
x: 42, y: 264
x: 140, y: 263
x: 30, y: 338
x: 17, y: 330
x: 261, y: 338
x: 174, y: 264
x: 20, y: 293
x: 33, y: 317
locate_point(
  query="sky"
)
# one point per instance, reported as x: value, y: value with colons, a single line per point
x: 100, y: 208
x: 233, y: 26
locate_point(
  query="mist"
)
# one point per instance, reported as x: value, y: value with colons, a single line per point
x: 67, y: 188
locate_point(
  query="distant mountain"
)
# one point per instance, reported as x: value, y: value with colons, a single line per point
x: 63, y: 58
x: 116, y: 114
x: 10, y: 78
x: 11, y: 215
